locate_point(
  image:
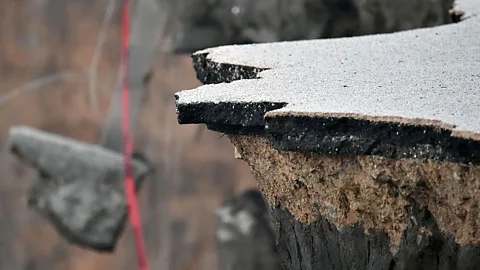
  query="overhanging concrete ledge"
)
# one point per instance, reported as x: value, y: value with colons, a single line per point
x: 402, y: 95
x: 367, y: 149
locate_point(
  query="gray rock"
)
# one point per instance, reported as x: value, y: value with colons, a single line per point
x: 79, y: 187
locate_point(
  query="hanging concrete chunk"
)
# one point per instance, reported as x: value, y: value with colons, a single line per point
x: 79, y: 187
x: 367, y: 149
x: 245, y: 234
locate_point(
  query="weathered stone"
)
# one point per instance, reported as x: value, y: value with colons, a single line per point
x: 80, y: 187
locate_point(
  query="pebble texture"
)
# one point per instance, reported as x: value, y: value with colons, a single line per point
x: 404, y: 95
x: 79, y: 186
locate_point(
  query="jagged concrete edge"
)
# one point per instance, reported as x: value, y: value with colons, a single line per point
x: 307, y: 133
x: 227, y: 117
x: 237, y: 118
x: 210, y: 72
x: 352, y: 136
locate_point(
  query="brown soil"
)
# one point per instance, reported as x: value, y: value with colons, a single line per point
x: 369, y: 190
x: 438, y: 125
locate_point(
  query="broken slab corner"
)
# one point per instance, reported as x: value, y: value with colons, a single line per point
x: 79, y: 187
x: 367, y: 149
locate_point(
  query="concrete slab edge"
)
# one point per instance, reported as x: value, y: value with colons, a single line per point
x: 392, y: 138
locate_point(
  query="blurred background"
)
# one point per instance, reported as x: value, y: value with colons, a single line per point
x: 47, y: 49
x: 58, y: 65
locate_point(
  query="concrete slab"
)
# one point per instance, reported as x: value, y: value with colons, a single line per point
x: 411, y: 94
x: 79, y: 186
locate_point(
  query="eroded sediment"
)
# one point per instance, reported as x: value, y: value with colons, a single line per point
x: 372, y: 191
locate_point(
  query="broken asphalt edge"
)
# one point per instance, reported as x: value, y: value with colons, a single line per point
x: 320, y: 133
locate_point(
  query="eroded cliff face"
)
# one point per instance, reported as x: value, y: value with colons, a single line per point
x: 377, y: 193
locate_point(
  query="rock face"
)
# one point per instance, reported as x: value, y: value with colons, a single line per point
x: 367, y: 149
x: 79, y: 188
x: 206, y: 23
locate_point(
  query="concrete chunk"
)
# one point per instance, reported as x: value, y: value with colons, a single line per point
x: 367, y: 149
x: 79, y: 187
x: 390, y: 93
x: 60, y: 156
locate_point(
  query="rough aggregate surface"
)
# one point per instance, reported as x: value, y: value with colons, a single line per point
x: 372, y: 191
x: 367, y: 149
x: 417, y: 78
x: 364, y: 212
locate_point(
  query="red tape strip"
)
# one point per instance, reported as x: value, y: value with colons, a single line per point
x: 130, y: 189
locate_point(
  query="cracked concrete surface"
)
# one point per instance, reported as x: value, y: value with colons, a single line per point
x: 366, y: 148
x: 424, y: 78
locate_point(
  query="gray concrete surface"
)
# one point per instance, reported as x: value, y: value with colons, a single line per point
x: 426, y: 76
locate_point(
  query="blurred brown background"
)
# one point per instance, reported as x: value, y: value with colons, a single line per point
x: 47, y: 65
x: 56, y: 74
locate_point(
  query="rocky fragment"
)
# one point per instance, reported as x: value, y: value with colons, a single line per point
x: 79, y: 186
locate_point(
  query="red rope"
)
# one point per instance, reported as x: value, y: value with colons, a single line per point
x: 130, y: 189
